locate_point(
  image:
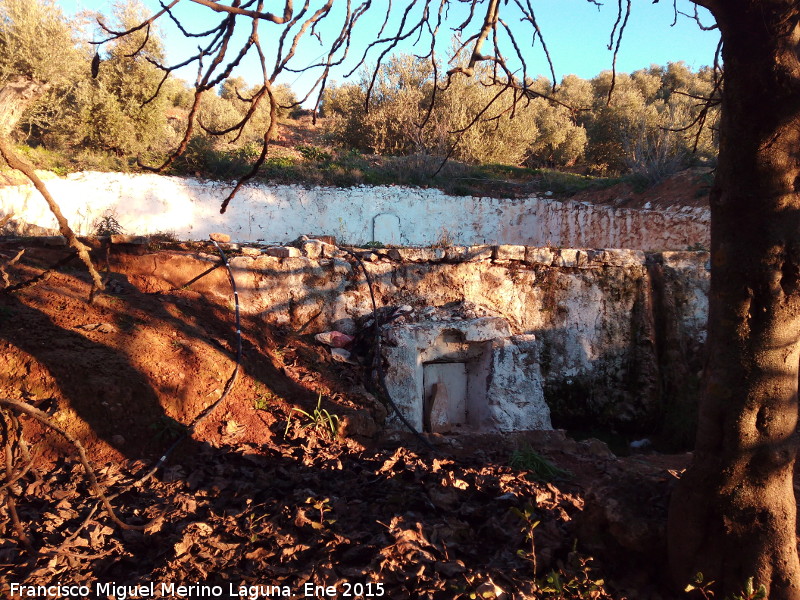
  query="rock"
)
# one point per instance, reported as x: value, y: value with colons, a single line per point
x: 597, y: 448
x: 346, y: 325
x: 297, y: 243
x: 538, y: 256
x: 623, y: 258
x: 571, y: 258
x: 99, y: 327
x: 329, y: 250
x: 118, y: 440
x: 223, y: 238
x: 282, y: 252
x: 358, y: 424
x: 456, y: 253
x: 342, y: 355
x: 683, y: 260
x: 325, y: 239
x: 403, y: 310
x: 476, y: 253
x: 509, y: 252
x: 417, y: 255
x: 312, y: 248
x: 54, y: 240
x: 334, y: 339
x: 341, y: 266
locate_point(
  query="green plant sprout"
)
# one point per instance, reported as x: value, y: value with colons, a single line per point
x: 252, y: 521
x: 323, y: 506
x: 527, y: 515
x: 573, y: 581
x: 704, y: 587
x: 261, y: 403
x: 319, y: 419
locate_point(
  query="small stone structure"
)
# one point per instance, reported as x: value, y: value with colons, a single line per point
x: 608, y: 337
x: 449, y: 373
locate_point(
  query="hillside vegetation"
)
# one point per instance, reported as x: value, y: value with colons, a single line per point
x: 365, y: 132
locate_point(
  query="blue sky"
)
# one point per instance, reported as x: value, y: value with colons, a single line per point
x: 577, y: 34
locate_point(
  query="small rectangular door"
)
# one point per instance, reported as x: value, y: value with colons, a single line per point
x: 445, y: 395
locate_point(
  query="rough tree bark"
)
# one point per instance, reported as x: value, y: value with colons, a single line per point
x: 15, y: 96
x: 733, y: 514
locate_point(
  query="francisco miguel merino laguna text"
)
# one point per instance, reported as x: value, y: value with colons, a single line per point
x: 149, y: 590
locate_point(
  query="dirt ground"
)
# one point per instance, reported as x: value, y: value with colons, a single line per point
x: 263, y: 494
x: 685, y: 188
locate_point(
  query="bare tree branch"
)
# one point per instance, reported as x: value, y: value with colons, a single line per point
x: 15, y: 96
x: 254, y: 14
x: 21, y: 407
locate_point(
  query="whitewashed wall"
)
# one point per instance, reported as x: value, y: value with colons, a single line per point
x: 147, y: 203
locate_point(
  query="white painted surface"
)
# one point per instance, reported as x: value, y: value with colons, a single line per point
x: 148, y: 203
x: 386, y: 229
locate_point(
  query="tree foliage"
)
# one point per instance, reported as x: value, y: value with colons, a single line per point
x: 401, y: 107
x: 639, y: 130
x: 118, y: 111
x: 38, y: 42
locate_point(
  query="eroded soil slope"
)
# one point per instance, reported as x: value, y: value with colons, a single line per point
x: 264, y: 494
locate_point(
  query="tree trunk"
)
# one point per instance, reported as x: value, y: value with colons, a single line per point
x: 15, y: 96
x: 733, y: 513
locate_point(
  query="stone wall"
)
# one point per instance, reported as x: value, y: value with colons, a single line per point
x: 618, y: 333
x: 145, y: 204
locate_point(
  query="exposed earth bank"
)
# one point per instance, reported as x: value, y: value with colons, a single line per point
x: 292, y: 478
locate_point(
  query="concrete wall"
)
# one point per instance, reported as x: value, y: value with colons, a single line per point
x: 145, y: 204
x: 619, y: 333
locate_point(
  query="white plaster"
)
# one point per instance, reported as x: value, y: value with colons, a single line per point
x: 148, y: 203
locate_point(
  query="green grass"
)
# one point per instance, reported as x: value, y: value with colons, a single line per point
x: 328, y: 166
x: 527, y: 459
x: 64, y: 162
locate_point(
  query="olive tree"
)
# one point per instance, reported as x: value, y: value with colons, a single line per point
x: 733, y: 514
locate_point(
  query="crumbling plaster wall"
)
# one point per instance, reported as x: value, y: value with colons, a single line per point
x: 599, y: 316
x: 147, y: 203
